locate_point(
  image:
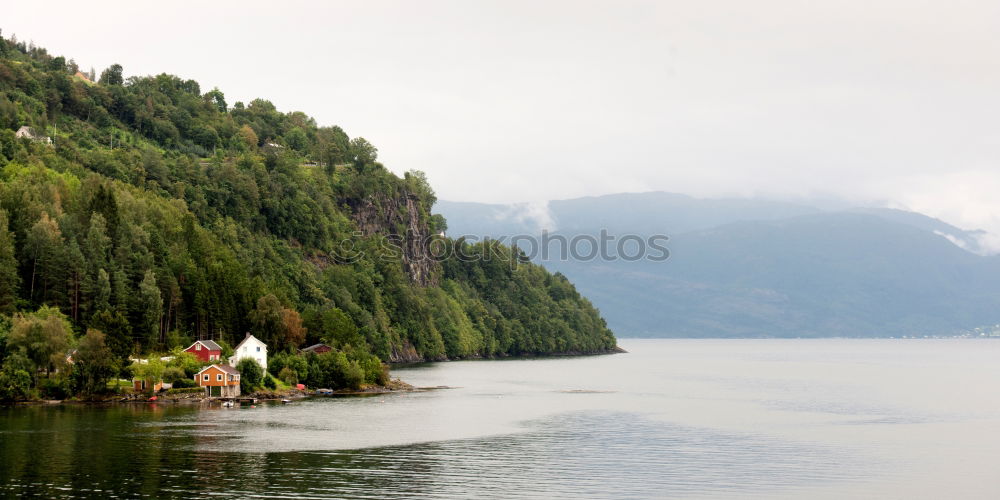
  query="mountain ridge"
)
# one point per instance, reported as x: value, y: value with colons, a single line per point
x: 785, y: 271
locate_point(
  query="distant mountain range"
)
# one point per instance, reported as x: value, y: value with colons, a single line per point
x: 755, y: 268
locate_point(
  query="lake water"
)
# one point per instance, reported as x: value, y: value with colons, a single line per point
x: 672, y: 418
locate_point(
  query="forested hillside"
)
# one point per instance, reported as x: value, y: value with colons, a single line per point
x: 157, y: 213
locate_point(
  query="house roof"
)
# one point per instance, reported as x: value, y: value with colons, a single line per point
x: 211, y: 345
x: 225, y: 368
x: 314, y: 347
x: 247, y: 338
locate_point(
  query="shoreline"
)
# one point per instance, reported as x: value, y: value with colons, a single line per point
x: 564, y: 354
x: 394, y: 386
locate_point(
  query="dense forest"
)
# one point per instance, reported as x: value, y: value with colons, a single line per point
x: 140, y: 213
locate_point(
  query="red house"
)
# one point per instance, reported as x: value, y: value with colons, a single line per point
x: 205, y: 350
x: 316, y: 348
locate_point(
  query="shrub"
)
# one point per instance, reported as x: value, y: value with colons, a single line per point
x: 288, y: 376
x: 55, y: 387
x: 335, y: 370
x: 183, y: 383
x: 174, y: 374
x: 295, y: 363
x: 185, y: 390
x: 251, y: 375
x: 15, y: 378
x: 270, y: 383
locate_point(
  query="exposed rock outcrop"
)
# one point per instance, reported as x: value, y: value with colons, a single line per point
x: 399, y: 220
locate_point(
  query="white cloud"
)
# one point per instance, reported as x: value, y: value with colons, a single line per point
x: 967, y: 199
x: 537, y: 214
x: 506, y: 101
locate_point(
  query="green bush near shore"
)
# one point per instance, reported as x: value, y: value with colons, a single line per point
x: 186, y: 390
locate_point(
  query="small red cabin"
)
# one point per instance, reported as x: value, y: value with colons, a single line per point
x: 205, y: 350
x: 317, y: 348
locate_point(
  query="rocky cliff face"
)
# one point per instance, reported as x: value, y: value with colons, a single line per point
x: 399, y: 220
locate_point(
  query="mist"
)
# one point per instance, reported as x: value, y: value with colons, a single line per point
x: 888, y: 104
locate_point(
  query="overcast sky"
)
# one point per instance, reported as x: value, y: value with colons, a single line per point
x: 893, y: 102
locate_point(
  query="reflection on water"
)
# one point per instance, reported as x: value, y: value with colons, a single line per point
x: 689, y: 419
x: 601, y: 454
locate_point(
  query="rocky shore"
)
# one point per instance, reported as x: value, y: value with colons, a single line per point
x: 197, y: 395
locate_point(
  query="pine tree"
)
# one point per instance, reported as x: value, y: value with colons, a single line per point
x: 76, y: 268
x: 102, y: 292
x: 45, y: 247
x: 9, y: 279
x: 151, y: 307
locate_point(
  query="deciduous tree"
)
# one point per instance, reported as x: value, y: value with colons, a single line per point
x: 93, y: 363
x: 42, y: 336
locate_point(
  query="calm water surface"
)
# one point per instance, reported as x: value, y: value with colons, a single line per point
x: 673, y: 418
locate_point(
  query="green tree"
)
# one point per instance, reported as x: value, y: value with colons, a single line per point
x: 186, y: 362
x: 15, y: 378
x: 118, y: 334
x: 97, y: 254
x: 112, y: 75
x: 291, y: 368
x: 44, y: 246
x: 93, y: 363
x: 363, y: 153
x: 267, y: 320
x: 249, y: 137
x: 97, y: 246
x: 76, y: 270
x: 121, y: 291
x: 335, y: 328
x: 292, y: 331
x: 251, y: 375
x: 151, y: 306
x: 151, y: 371
x: 296, y: 139
x: 288, y: 376
x: 42, y: 336
x: 5, y: 326
x: 102, y: 291
x: 216, y: 97
x: 9, y: 279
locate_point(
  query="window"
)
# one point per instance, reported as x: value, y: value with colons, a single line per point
x: 218, y: 377
x: 258, y: 348
x: 197, y: 347
x: 206, y: 378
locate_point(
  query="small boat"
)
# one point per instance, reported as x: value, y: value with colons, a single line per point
x: 228, y: 404
x: 324, y: 392
x: 286, y: 401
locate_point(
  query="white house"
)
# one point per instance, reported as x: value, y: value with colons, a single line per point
x: 251, y: 347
